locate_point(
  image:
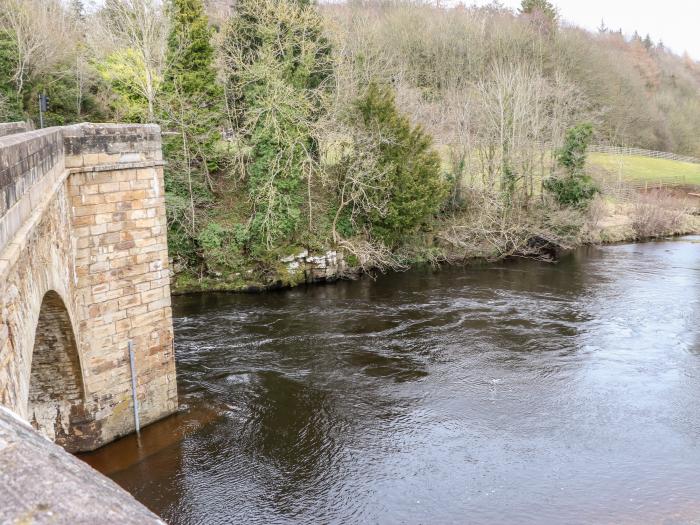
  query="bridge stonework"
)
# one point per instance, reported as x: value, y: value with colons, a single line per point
x: 84, y: 271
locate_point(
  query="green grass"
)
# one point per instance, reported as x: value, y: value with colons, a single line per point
x: 646, y: 169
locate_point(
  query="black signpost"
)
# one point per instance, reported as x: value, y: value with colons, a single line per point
x: 43, y: 108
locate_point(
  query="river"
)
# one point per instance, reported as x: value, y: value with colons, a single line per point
x: 520, y: 392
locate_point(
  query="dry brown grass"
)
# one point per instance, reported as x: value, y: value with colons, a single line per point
x: 659, y: 213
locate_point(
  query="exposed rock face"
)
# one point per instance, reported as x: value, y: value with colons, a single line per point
x: 316, y: 268
x: 41, y: 483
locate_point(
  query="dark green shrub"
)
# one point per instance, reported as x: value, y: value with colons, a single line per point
x: 571, y: 191
x: 575, y: 188
x: 414, y: 185
x: 572, y: 156
x: 10, y: 103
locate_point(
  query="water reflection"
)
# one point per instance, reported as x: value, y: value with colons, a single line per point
x: 517, y: 393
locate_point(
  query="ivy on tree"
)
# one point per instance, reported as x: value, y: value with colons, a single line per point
x: 575, y: 188
x: 277, y: 61
x: 192, y: 102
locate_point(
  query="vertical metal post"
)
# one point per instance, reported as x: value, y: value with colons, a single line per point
x: 132, y: 360
x: 41, y: 111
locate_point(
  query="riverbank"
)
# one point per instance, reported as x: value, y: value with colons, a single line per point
x: 609, y: 219
x: 512, y: 393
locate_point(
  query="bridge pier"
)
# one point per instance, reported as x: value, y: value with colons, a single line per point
x: 83, y: 271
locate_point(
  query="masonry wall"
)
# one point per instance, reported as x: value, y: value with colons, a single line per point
x: 85, y: 221
x: 119, y: 225
x: 56, y: 390
x: 30, y: 165
x: 42, y: 484
x: 11, y: 128
x: 38, y: 259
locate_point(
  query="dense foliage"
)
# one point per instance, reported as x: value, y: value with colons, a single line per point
x: 412, y: 185
x: 10, y: 104
x: 389, y: 130
x: 277, y: 62
x: 192, y: 107
x: 575, y: 188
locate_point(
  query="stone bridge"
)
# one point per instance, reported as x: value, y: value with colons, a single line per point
x: 83, y: 272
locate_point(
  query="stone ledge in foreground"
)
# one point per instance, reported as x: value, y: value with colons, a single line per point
x: 42, y: 483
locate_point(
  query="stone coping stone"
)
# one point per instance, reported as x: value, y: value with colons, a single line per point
x: 41, y: 483
x: 26, y: 157
x: 10, y: 128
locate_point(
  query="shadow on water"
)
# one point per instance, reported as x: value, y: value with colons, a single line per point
x: 519, y: 392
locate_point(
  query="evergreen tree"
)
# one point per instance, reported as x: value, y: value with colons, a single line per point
x: 192, y: 106
x: 531, y: 7
x: 77, y: 9
x: 542, y: 14
x: 576, y: 188
x: 572, y: 156
x: 277, y: 61
x: 414, y: 185
x: 190, y: 56
x: 10, y: 101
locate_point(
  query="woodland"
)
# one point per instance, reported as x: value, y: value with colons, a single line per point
x: 394, y: 132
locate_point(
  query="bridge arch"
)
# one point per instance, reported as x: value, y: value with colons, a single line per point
x: 83, y: 273
x: 56, y: 401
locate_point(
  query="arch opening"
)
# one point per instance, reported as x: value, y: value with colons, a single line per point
x: 56, y: 404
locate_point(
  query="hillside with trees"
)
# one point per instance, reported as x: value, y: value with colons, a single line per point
x: 393, y: 131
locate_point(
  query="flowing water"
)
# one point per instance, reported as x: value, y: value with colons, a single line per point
x: 517, y: 393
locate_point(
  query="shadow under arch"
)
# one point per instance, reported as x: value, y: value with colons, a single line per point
x: 56, y: 404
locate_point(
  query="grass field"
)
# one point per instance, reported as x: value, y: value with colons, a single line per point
x: 646, y: 169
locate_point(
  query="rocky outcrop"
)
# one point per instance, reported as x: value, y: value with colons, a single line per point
x: 305, y: 267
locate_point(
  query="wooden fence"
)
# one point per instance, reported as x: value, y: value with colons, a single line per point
x: 618, y: 150
x: 629, y: 190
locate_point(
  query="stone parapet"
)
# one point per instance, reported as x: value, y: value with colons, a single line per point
x: 25, y: 159
x: 83, y: 246
x: 11, y: 128
x: 89, y: 145
x: 41, y: 483
x: 32, y: 161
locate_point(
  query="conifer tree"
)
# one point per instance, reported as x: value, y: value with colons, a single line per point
x: 545, y: 7
x: 10, y: 101
x: 277, y: 62
x: 192, y: 103
x: 414, y: 187
x: 575, y: 188
x: 542, y: 14
x: 190, y: 52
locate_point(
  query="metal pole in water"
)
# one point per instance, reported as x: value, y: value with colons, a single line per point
x: 41, y: 111
x: 132, y: 361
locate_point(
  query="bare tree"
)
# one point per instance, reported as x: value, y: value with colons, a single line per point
x: 141, y: 28
x: 43, y: 34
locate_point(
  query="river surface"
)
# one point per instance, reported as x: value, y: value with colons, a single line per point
x: 522, y: 392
